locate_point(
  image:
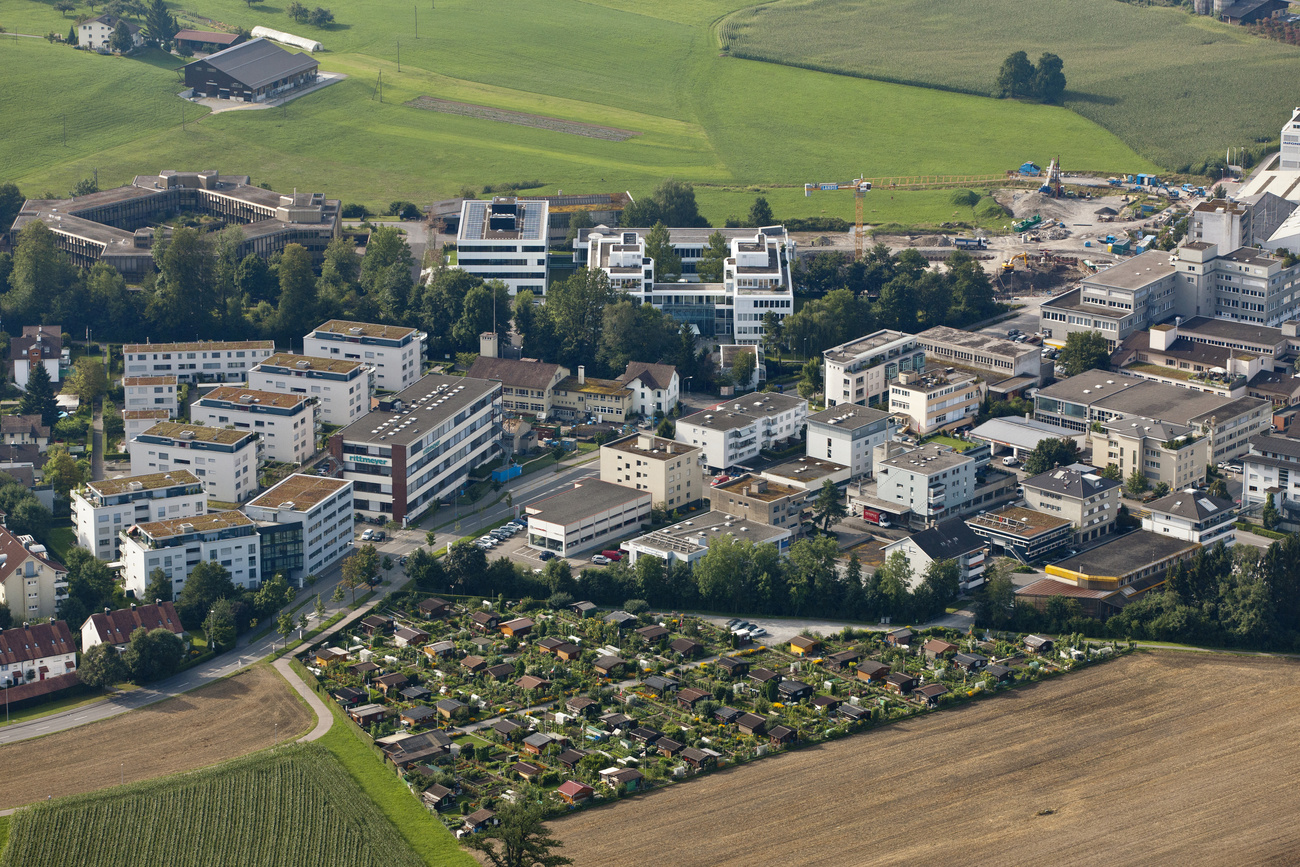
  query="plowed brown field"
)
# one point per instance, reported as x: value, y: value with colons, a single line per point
x: 221, y: 721
x: 1159, y: 758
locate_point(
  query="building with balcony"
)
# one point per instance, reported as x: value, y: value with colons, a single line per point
x: 527, y: 385
x: 151, y: 392
x: 342, y: 386
x: 737, y: 430
x: 1174, y: 454
x: 935, y: 401
x: 103, y: 509
x: 505, y: 239
x: 177, y: 546
x: 1024, y: 534
x: 32, y: 583
x: 581, y: 397
x: 756, y: 276
x: 223, y: 459
x: 394, y: 351
x: 1192, y: 516
x: 933, y: 482
x: 1087, y: 501
x: 847, y: 434
x: 137, y: 421
x: 861, y: 370
x: 202, y: 361
x: 590, y: 514
x: 763, y: 501
x: 669, y: 470
x: 319, y: 508
x: 285, y: 422
x: 418, y: 446
x: 947, y: 540
x: 688, y: 541
x: 1271, y: 467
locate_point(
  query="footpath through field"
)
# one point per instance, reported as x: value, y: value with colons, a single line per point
x: 324, y: 719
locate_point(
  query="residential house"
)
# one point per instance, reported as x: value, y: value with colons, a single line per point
x: 736, y: 431
x: 115, y: 627
x: 860, y: 371
x: 655, y: 387
x: 527, y: 385
x: 948, y: 540
x: 36, y: 652
x: 936, y: 401
x: 32, y: 583
x: 39, y: 344
x: 1089, y: 501
x: 103, y: 509
x: 1192, y: 516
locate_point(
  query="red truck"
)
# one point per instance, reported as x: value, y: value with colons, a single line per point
x: 872, y: 516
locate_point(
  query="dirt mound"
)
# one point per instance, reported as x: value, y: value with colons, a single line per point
x: 1023, y: 203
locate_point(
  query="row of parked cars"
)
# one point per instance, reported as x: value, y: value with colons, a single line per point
x: 745, y: 630
x: 500, y: 534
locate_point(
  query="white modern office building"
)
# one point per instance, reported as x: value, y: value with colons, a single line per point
x: 590, y: 514
x: 419, y: 445
x: 688, y: 541
x: 860, y: 371
x: 847, y: 433
x: 394, y: 351
x: 202, y: 361
x: 103, y: 509
x: 224, y: 460
x: 177, y: 546
x: 323, y: 509
x: 285, y: 422
x: 736, y: 431
x: 342, y: 386
x: 505, y: 239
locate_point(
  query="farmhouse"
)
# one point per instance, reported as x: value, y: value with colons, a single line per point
x: 252, y: 71
x: 97, y: 33
x: 115, y: 627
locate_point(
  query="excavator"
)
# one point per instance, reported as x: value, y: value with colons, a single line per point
x: 1010, y: 265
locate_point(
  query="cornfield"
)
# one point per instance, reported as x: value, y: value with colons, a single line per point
x: 296, y: 806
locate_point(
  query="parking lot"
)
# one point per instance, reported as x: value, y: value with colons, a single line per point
x: 516, y: 549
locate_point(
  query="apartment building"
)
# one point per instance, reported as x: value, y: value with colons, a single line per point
x: 151, y: 392
x: 947, y: 540
x: 1087, y: 500
x: 34, y: 653
x: 656, y: 388
x: 285, y: 422
x: 1175, y: 454
x: 1194, y: 517
x: 137, y: 421
x: 177, y: 546
x: 588, y: 515
x: 418, y: 446
x: 1271, y: 466
x: 861, y: 370
x: 24, y: 430
x: 688, y: 541
x: 114, y: 628
x: 997, y: 358
x: 932, y: 481
x: 342, y: 386
x: 505, y: 239
x: 32, y: 583
x: 808, y: 474
x: 527, y: 385
x: 669, y: 470
x: 394, y: 351
x: 582, y: 396
x: 762, y: 501
x: 224, y: 460
x: 735, y: 431
x: 102, y: 509
x: 320, y: 507
x: 933, y: 401
x: 756, y: 276
x: 202, y: 361
x: 847, y: 434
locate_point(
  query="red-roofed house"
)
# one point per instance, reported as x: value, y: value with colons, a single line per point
x: 115, y: 627
x: 36, y: 652
x: 574, y: 791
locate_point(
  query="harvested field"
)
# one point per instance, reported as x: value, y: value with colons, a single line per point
x: 538, y: 121
x: 1158, y: 758
x: 226, y: 719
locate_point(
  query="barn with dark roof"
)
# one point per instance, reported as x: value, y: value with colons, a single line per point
x: 251, y: 71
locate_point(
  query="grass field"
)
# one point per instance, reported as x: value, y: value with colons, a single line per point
x: 727, y: 125
x: 291, y: 807
x: 218, y: 722
x: 1160, y: 758
x: 1166, y: 82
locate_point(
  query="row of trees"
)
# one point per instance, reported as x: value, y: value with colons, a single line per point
x: 1019, y: 78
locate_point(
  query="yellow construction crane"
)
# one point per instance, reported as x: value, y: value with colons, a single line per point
x: 860, y: 188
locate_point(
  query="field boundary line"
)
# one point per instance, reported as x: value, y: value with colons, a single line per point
x: 324, y: 719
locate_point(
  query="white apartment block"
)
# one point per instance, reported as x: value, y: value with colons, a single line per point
x: 1175, y: 454
x: 736, y: 431
x: 505, y: 239
x: 285, y: 422
x: 177, y: 546
x: 669, y: 470
x: 1194, y: 517
x: 394, y: 351
x: 932, y: 401
x: 343, y: 386
x: 203, y: 361
x: 590, y: 514
x: 419, y: 445
x: 31, y: 583
x: 137, y: 421
x: 846, y: 434
x: 224, y: 460
x: 861, y: 370
x: 323, y: 506
x: 151, y: 392
x: 755, y: 281
x: 1272, y: 466
x: 102, y: 509
x: 1291, y: 143
x: 933, y: 481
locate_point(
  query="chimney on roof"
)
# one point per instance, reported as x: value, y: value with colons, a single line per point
x: 582, y: 374
x: 488, y: 345
x: 132, y: 606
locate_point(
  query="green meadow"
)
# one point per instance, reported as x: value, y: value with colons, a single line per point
x: 729, y: 126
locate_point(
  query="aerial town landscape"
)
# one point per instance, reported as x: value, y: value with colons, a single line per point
x: 595, y: 431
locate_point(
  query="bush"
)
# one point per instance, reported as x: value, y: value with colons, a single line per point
x: 989, y: 209
x: 405, y: 210
x: 354, y: 211
x: 965, y: 198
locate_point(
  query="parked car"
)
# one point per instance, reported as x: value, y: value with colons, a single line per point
x: 546, y: 555
x: 1010, y: 461
x: 600, y: 560
x: 380, y: 536
x: 367, y: 535
x: 740, y: 627
x: 757, y: 631
x: 612, y: 556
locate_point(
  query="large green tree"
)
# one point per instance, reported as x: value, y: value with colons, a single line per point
x: 40, y: 277
x: 89, y: 380
x: 829, y: 505
x: 711, y: 265
x: 1084, y: 351
x: 11, y: 202
x: 38, y: 398
x: 63, y: 472
x: 760, y: 214
x: 208, y: 581
x: 153, y: 654
x: 576, y: 308
x: 297, y: 309
x: 1051, y: 453
x: 1049, y: 80
x: 101, y: 667
x: 659, y: 247
x: 1016, y: 77
x: 159, y: 24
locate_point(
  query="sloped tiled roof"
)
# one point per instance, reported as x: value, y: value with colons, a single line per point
x: 25, y: 644
x: 116, y: 627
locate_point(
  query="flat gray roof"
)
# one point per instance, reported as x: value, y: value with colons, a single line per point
x: 418, y: 409
x: 1127, y: 554
x: 744, y: 410
x: 977, y: 341
x: 1090, y: 386
x: 805, y: 469
x: 929, y: 458
x: 694, y: 534
x: 864, y: 345
x: 583, y: 500
x: 1227, y: 329
x: 1019, y: 432
x: 1167, y: 403
x: 848, y: 416
x: 1142, y: 270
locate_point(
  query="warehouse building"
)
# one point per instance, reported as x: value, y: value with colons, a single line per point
x: 252, y: 71
x: 419, y: 445
x: 590, y: 514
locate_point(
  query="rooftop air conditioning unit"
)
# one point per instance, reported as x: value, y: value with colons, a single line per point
x: 354, y: 330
